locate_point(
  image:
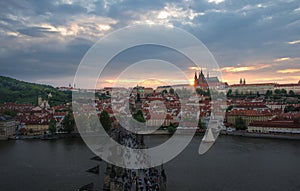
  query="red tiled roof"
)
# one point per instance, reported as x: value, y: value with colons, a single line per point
x: 253, y: 105
x: 249, y: 113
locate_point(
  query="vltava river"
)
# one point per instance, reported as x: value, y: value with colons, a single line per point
x: 233, y: 164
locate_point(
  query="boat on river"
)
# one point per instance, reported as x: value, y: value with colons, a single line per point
x: 208, y: 137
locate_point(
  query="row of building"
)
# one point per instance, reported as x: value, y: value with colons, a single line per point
x: 8, y: 126
x: 161, y: 107
x: 262, y: 88
x: 30, y: 119
x: 264, y: 117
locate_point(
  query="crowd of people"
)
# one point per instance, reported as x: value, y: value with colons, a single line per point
x: 142, y: 180
x: 149, y: 179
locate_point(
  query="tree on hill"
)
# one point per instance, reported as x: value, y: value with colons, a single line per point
x: 12, y: 90
x: 229, y: 93
x: 139, y: 116
x: 283, y: 91
x: 105, y: 120
x: 10, y: 113
x: 52, y: 126
x: 201, y: 124
x: 268, y: 93
x: 289, y: 108
x: 202, y: 92
x: 68, y: 123
x: 229, y: 108
x: 236, y: 93
x: 277, y: 91
x: 199, y: 91
x: 240, y: 124
x: 172, y: 128
x: 172, y: 91
x: 292, y: 93
x: 296, y: 120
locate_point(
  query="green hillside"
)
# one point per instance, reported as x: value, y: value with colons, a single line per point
x: 12, y: 90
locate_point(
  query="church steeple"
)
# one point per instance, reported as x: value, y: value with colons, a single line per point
x: 200, y: 81
x: 195, y: 79
x: 201, y: 75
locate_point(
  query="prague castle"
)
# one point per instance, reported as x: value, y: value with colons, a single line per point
x: 206, y: 83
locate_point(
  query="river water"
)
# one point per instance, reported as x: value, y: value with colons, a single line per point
x: 233, y: 164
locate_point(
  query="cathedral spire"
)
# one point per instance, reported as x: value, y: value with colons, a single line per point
x: 201, y: 74
x: 195, y: 76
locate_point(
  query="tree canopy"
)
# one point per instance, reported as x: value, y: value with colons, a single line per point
x: 68, y: 123
x: 172, y: 91
x: 240, y: 124
x: 105, y: 120
x: 201, y: 124
x: 12, y: 90
x: 139, y: 116
x: 172, y: 128
x: 52, y: 126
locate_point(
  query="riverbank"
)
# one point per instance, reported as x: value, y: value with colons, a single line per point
x: 46, y: 137
x: 261, y: 135
x: 166, y: 133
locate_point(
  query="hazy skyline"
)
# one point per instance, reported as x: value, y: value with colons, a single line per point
x: 44, y: 41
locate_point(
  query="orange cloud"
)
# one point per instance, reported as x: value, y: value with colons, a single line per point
x: 196, y: 68
x: 244, y: 68
x: 286, y: 71
x: 256, y: 77
x: 295, y: 77
x: 282, y: 59
x: 110, y: 81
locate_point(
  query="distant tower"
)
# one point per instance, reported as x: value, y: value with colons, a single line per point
x: 195, y: 79
x: 138, y: 97
x: 138, y: 102
x: 200, y: 74
x: 40, y: 101
x: 201, y: 78
x: 241, y: 81
x: 244, y: 81
x: 70, y: 86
